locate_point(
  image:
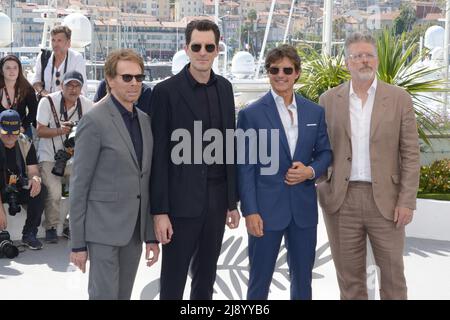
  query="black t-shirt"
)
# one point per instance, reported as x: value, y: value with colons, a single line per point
x: 10, y: 167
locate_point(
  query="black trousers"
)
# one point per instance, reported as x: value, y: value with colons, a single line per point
x: 196, y: 243
x: 35, y: 207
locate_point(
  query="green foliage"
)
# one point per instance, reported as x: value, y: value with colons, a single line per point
x: 320, y: 73
x: 435, y: 178
x: 397, y: 56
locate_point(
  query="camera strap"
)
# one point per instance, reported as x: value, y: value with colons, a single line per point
x: 63, y: 111
x: 55, y: 116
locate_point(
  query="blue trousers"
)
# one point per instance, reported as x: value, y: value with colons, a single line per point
x: 263, y: 252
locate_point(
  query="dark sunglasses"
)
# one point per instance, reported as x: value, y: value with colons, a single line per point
x: 129, y: 77
x: 276, y: 70
x: 57, y: 74
x: 208, y: 47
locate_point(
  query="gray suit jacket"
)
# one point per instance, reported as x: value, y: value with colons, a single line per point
x: 107, y: 187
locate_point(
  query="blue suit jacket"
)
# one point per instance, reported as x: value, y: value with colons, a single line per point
x: 269, y: 195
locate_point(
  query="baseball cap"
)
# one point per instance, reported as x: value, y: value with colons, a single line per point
x: 9, y: 122
x: 73, y: 75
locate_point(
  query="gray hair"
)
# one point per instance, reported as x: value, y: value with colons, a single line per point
x: 359, y: 37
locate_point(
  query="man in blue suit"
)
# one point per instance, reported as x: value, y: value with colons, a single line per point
x: 284, y: 203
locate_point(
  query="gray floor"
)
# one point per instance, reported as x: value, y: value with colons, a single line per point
x: 47, y: 274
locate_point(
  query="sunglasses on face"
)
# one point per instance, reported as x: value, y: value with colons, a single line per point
x: 129, y: 77
x: 208, y: 47
x: 276, y: 70
x: 57, y: 74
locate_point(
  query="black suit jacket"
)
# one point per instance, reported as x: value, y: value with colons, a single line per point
x: 181, y: 190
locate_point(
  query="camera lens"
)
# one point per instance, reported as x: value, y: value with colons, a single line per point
x: 8, y: 250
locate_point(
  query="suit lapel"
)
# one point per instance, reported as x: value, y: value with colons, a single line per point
x: 146, y: 144
x: 274, y: 118
x: 223, y: 104
x: 188, y: 95
x: 301, y: 122
x: 379, y: 107
x: 122, y: 129
x: 343, y: 104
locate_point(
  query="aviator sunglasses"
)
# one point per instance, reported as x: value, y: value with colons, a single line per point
x: 276, y: 70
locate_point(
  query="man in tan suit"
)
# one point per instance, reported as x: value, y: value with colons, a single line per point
x: 371, y: 186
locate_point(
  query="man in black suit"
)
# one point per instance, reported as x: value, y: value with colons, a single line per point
x: 192, y: 200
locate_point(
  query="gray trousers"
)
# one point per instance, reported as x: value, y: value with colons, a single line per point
x: 113, y: 269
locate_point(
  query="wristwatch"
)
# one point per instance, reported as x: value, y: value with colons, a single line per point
x: 37, y: 178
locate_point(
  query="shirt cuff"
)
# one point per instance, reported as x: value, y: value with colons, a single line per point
x: 79, y: 249
x: 152, y: 241
x: 314, y: 173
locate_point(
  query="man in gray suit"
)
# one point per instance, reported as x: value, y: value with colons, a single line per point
x: 109, y: 191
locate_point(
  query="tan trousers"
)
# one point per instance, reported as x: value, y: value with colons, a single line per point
x: 53, y: 183
x: 347, y: 232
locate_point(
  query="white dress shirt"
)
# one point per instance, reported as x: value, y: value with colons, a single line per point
x: 75, y: 62
x: 290, y: 125
x: 360, y: 117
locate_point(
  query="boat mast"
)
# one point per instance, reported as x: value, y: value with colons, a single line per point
x: 446, y: 62
x: 266, y: 34
x: 216, y: 11
x: 49, y: 17
x: 327, y: 27
x: 289, y: 21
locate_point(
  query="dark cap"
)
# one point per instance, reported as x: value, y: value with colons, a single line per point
x: 73, y: 75
x: 9, y: 122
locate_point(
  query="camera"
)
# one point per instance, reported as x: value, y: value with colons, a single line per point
x: 12, y: 193
x: 61, y: 158
x: 7, y: 248
x: 70, y: 140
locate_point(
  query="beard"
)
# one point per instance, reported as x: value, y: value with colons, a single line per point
x: 366, y: 73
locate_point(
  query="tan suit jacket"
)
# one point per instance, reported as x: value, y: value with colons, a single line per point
x: 394, y: 149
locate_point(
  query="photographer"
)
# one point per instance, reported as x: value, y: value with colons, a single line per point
x: 57, y: 113
x: 20, y: 181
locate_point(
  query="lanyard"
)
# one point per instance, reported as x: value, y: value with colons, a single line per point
x: 11, y: 105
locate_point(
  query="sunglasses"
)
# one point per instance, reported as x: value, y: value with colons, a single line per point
x: 129, y: 77
x: 58, y: 74
x: 208, y: 47
x: 276, y: 70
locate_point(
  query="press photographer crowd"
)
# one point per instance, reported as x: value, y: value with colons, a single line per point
x: 34, y: 166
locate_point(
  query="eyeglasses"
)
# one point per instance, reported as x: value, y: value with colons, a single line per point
x: 196, y: 47
x: 57, y: 75
x: 129, y: 77
x: 73, y: 86
x: 359, y: 57
x: 276, y: 70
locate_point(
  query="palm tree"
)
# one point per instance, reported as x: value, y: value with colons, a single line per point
x: 320, y: 72
x: 398, y: 56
